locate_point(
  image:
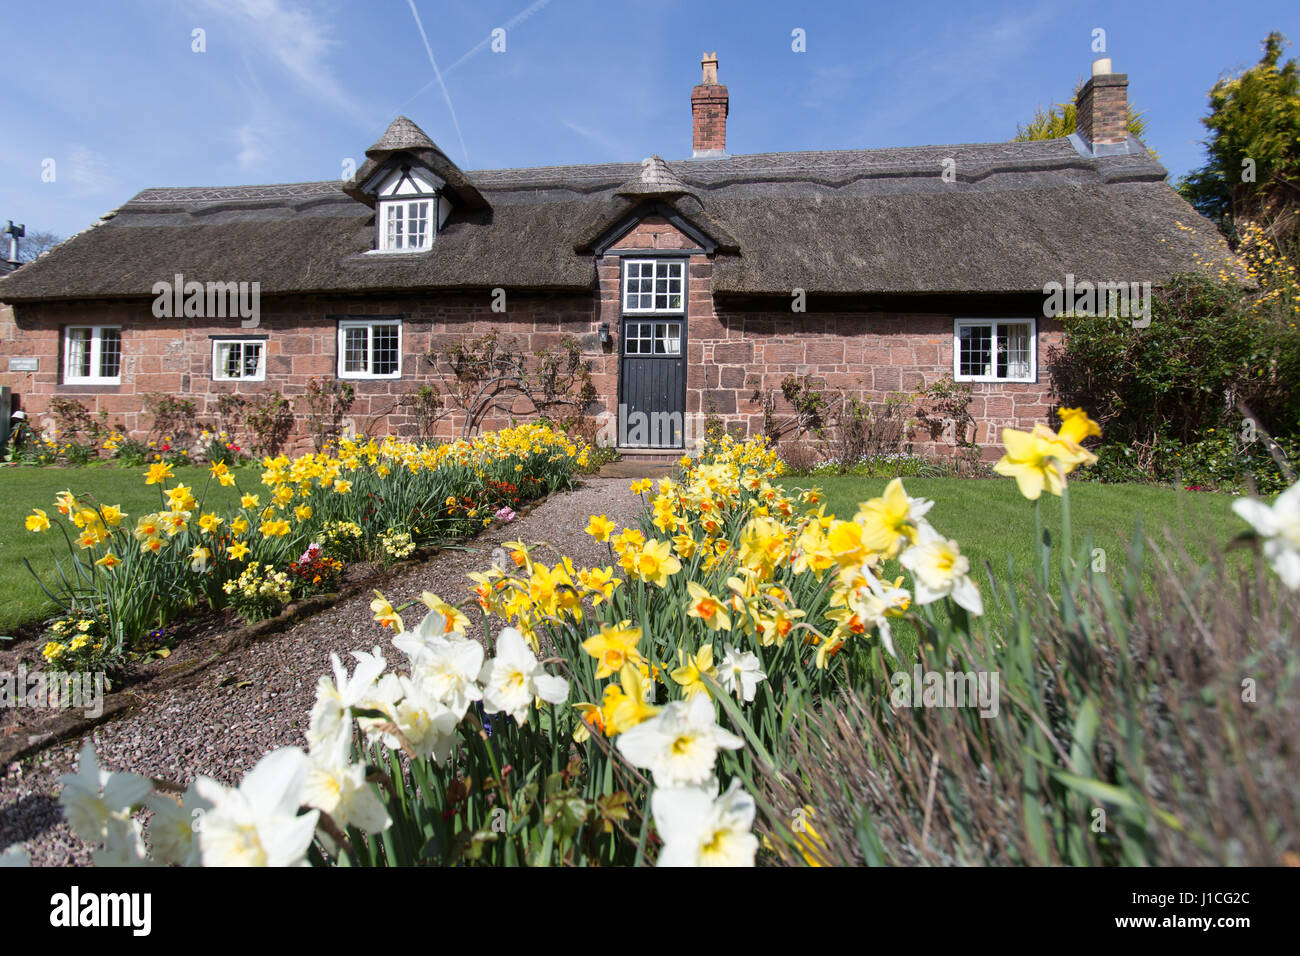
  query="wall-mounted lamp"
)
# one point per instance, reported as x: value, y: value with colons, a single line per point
x: 604, y: 333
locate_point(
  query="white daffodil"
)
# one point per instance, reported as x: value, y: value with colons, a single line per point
x: 123, y: 843
x: 15, y: 856
x: 257, y: 823
x: 513, y: 678
x: 91, y: 796
x: 173, y: 829
x: 449, y: 671
x: 331, y: 720
x: 941, y: 570
x: 432, y: 630
x: 699, y: 829
x: 871, y: 601
x: 340, y: 789
x: 1279, y: 527
x: 741, y: 673
x: 428, y: 724
x: 679, y: 744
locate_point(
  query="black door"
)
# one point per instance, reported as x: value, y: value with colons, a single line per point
x: 652, y: 371
x: 653, y: 381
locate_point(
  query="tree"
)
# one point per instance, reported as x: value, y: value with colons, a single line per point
x: 1061, y: 119
x: 1252, y: 173
x: 34, y: 243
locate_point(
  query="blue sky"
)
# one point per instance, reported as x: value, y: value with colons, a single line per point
x: 288, y: 90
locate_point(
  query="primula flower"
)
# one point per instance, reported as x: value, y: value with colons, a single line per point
x: 38, y: 521
x: 680, y: 744
x: 1278, y: 525
x: 700, y: 829
x: 257, y: 823
x: 941, y: 570
x: 513, y: 678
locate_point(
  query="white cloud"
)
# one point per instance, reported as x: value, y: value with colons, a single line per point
x: 290, y: 35
x: 88, y: 171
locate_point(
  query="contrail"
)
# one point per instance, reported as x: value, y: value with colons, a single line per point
x: 479, y: 47
x: 438, y: 76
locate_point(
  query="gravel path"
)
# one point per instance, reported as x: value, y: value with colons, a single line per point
x: 222, y: 731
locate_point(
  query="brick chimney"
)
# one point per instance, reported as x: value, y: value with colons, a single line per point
x: 1103, y: 106
x: 709, y: 107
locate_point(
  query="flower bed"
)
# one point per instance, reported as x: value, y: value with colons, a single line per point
x: 290, y: 537
x: 655, y: 708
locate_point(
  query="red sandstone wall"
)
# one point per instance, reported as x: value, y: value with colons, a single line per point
x: 730, y: 353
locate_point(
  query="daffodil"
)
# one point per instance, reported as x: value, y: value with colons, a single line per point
x: 692, y: 670
x: 740, y: 673
x: 1037, y: 460
x: 514, y: 678
x: 109, y: 561
x: 680, y: 744
x: 890, y: 520
x: 38, y: 521
x: 941, y: 570
x: 707, y: 608
x: 257, y: 823
x: 157, y: 474
x: 699, y: 828
x: 600, y: 527
x: 1278, y: 527
x: 613, y: 647
x: 655, y: 563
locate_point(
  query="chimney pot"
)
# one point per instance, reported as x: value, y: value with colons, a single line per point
x: 1101, y: 66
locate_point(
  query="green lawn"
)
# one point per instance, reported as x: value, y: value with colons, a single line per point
x: 22, y: 489
x: 990, y: 519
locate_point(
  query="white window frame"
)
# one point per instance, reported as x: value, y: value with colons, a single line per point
x: 369, y: 326
x: 959, y: 324
x: 431, y: 217
x: 656, y: 262
x: 71, y: 377
x: 218, y: 368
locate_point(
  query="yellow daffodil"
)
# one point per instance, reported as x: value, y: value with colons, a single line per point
x: 600, y: 527
x: 613, y: 647
x: 692, y: 667
x: 1037, y: 460
x: 157, y: 474
x: 109, y: 561
x: 237, y: 551
x: 655, y: 563
x: 707, y: 608
x: 38, y: 520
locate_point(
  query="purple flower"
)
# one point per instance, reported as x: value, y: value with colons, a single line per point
x: 506, y: 514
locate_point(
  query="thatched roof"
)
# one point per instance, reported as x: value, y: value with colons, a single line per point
x: 850, y: 222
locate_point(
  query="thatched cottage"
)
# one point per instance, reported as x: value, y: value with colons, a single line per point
x: 693, y: 285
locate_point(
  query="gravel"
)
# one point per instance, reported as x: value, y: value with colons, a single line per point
x: 222, y: 731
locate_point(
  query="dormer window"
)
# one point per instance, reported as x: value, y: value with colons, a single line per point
x: 409, y: 208
x: 405, y: 226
